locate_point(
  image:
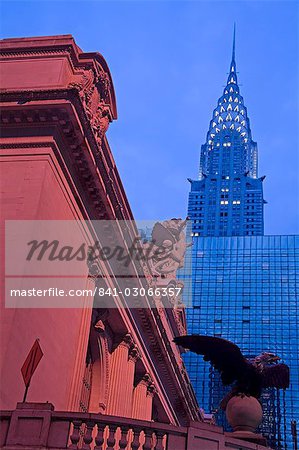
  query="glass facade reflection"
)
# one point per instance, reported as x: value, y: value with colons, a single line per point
x: 245, y: 289
x: 244, y: 285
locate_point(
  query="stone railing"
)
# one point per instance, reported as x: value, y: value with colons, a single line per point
x: 34, y: 425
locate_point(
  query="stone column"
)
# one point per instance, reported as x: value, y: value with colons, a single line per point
x: 149, y: 401
x: 118, y: 378
x: 100, y: 371
x: 134, y: 355
x: 140, y: 402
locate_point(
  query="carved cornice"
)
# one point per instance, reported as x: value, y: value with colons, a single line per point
x: 60, y: 116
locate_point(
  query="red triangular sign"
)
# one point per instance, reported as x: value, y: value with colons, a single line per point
x: 31, y: 362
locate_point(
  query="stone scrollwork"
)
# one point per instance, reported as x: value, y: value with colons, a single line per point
x: 93, y: 88
x: 134, y: 353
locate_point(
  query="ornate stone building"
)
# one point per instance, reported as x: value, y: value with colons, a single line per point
x: 57, y: 103
x: 56, y: 165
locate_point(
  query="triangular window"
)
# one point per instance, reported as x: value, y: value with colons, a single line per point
x: 220, y: 119
x: 217, y: 130
x: 243, y: 123
x: 231, y: 89
x: 214, y: 124
x: 229, y: 108
x: 216, y: 113
x: 232, y: 127
x: 228, y: 117
x: 239, y: 129
x: 236, y: 100
x: 224, y: 127
x: 222, y: 109
x: 237, y: 119
x: 237, y: 108
x: 230, y: 99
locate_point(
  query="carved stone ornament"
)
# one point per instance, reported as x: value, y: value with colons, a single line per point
x: 167, y: 248
x: 93, y: 89
x: 134, y: 354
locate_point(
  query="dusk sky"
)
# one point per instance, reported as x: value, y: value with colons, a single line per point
x: 169, y: 62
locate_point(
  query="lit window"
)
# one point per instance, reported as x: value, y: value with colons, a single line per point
x: 224, y: 202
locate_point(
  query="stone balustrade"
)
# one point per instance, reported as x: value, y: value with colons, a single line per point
x: 37, y: 425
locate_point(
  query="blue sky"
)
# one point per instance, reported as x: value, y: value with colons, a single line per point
x: 169, y: 61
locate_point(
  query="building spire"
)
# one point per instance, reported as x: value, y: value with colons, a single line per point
x: 234, y: 42
x: 232, y: 70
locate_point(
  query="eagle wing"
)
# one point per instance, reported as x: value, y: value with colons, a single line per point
x: 225, y: 356
x: 277, y: 376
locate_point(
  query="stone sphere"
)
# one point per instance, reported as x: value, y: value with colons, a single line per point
x: 244, y: 413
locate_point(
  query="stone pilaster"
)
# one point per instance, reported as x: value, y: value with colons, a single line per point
x: 151, y: 390
x: 134, y: 355
x: 119, y: 378
x: 140, y: 402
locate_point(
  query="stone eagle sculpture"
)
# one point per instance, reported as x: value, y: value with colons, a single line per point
x: 250, y: 375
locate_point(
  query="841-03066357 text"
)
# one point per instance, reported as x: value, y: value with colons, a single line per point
x: 114, y: 292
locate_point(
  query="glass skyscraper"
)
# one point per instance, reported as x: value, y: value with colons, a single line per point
x: 244, y: 285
